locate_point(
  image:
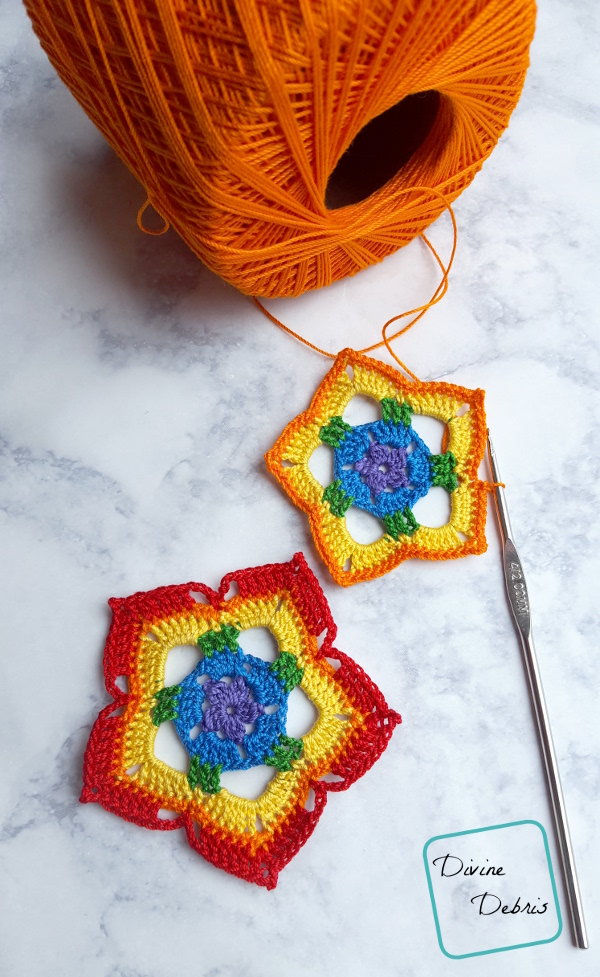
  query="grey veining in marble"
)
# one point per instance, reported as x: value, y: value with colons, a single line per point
x: 138, y: 394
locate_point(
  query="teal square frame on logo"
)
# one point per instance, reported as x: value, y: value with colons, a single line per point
x: 498, y: 949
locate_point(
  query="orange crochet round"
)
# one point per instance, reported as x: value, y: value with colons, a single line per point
x: 235, y: 113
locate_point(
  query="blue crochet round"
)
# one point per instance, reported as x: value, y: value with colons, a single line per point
x: 383, y: 466
x: 228, y: 707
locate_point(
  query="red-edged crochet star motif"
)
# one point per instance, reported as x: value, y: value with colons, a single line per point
x: 230, y: 714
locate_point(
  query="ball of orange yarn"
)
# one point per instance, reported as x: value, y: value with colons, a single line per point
x: 237, y: 115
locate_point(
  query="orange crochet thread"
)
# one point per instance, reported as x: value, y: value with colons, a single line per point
x: 384, y: 468
x: 236, y: 117
x: 418, y: 312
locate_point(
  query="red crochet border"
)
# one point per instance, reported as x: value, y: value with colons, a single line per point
x: 137, y: 804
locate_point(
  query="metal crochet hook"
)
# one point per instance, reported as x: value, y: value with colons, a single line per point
x: 519, y: 604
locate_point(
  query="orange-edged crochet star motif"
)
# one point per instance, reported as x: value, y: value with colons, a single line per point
x: 385, y: 467
x: 230, y: 712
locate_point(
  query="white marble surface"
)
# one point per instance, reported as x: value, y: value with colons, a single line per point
x: 138, y: 394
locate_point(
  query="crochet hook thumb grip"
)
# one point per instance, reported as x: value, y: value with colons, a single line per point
x: 518, y: 598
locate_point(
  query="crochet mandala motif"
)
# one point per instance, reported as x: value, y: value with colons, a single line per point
x: 230, y: 713
x: 384, y: 468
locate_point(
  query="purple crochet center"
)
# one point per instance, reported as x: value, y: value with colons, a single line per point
x: 393, y: 475
x: 230, y: 707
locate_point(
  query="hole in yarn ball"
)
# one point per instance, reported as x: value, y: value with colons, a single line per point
x: 381, y: 148
x: 122, y: 683
x: 309, y: 804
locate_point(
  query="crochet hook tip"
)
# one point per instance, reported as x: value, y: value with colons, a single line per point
x: 501, y: 506
x: 493, y: 457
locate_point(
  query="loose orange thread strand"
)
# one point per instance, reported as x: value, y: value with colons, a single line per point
x: 291, y: 332
x: 418, y: 312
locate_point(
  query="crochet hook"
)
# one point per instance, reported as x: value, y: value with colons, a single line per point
x: 518, y: 599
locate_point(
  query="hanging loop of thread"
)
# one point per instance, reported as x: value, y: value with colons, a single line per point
x: 148, y: 230
x: 418, y: 312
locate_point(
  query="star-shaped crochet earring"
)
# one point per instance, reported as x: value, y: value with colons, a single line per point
x: 230, y: 713
x: 384, y: 468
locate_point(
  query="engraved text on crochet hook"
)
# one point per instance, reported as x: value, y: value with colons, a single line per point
x: 517, y: 588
